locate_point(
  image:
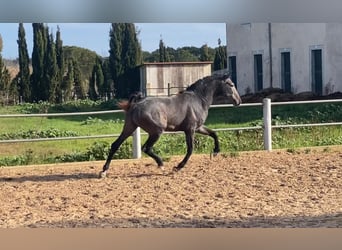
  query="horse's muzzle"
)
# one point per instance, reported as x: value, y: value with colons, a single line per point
x: 236, y: 100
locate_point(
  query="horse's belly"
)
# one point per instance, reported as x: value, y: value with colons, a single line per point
x: 171, y: 128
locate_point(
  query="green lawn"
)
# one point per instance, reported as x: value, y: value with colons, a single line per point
x: 74, y: 150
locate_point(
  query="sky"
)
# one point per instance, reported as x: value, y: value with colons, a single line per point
x: 95, y: 36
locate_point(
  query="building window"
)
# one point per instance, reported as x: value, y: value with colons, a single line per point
x: 258, y: 75
x: 286, y: 71
x: 316, y: 70
x: 232, y: 68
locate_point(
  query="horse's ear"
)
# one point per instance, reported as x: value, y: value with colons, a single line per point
x: 226, y: 75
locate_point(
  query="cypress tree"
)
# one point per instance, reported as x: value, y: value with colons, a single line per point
x: 78, y: 88
x: 2, y: 65
x: 220, y: 60
x: 68, y: 82
x: 163, y: 53
x: 50, y: 72
x: 115, y: 50
x: 96, y: 83
x: 108, y: 84
x: 124, y: 55
x: 38, y: 56
x: 23, y: 78
x: 131, y: 49
x: 60, y: 64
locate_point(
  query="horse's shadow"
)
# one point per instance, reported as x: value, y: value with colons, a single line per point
x: 149, y: 175
x: 74, y: 176
x: 50, y: 178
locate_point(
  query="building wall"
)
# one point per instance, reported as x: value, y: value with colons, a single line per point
x: 298, y: 39
x: 156, y: 77
x: 333, y: 58
x: 245, y: 40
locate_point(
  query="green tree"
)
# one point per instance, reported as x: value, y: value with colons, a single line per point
x: 38, y: 56
x: 60, y: 64
x: 220, y: 60
x: 68, y: 82
x: 184, y: 55
x: 47, y: 65
x: 115, y: 50
x: 163, y: 52
x: 79, y: 91
x: 96, y: 83
x: 151, y: 56
x: 50, y: 71
x: 131, y: 49
x: 5, y: 79
x: 108, y: 84
x: 189, y: 54
x: 85, y: 62
x: 124, y: 56
x: 23, y: 78
x: 2, y: 64
x: 204, y: 56
x: 5, y: 83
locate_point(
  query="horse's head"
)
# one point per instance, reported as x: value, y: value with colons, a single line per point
x: 216, y: 85
x: 230, y: 90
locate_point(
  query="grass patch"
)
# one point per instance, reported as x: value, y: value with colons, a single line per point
x: 231, y: 142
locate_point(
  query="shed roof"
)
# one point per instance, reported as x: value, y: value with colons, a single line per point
x: 176, y: 63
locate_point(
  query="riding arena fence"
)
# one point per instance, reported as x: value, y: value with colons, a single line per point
x: 266, y: 127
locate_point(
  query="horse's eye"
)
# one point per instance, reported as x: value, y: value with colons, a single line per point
x: 229, y: 82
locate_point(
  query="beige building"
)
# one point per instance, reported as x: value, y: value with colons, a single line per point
x: 296, y: 57
x: 168, y: 78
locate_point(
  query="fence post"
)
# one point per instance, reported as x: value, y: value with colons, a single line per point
x: 267, y: 124
x: 136, y: 144
x: 168, y: 89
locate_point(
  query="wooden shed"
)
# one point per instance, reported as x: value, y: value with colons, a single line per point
x: 168, y: 78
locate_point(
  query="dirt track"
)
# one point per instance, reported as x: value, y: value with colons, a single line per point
x: 252, y: 189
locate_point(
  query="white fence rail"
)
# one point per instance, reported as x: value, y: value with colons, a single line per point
x: 267, y: 124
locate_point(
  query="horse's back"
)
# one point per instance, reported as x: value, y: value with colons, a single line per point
x: 176, y: 113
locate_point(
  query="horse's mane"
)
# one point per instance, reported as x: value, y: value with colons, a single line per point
x: 201, y: 82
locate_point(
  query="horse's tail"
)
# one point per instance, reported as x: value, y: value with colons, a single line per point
x: 125, y: 105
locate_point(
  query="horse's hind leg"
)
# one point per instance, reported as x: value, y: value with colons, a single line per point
x: 189, y: 138
x: 206, y: 131
x: 147, y: 148
x: 127, y: 131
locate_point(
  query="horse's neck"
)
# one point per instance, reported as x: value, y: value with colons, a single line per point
x: 206, y: 95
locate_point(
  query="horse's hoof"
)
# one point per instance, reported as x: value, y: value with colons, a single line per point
x: 214, y: 154
x: 176, y: 169
x: 102, y: 174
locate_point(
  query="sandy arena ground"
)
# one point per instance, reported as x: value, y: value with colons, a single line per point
x: 251, y: 189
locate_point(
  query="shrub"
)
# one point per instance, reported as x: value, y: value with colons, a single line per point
x: 32, y: 134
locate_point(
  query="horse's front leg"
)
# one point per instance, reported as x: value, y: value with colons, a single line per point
x: 189, y: 138
x: 207, y: 131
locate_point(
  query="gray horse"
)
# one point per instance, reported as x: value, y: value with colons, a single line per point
x: 186, y: 111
